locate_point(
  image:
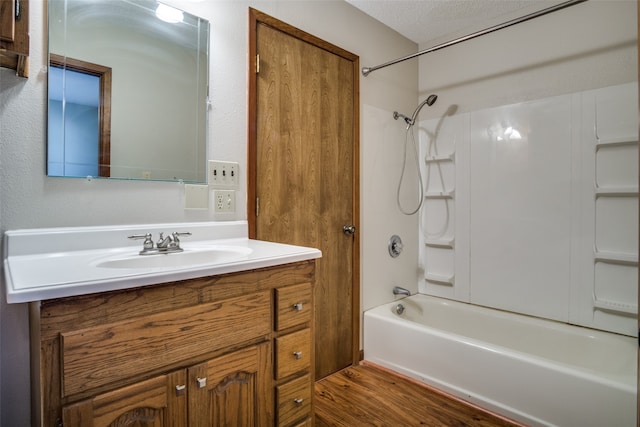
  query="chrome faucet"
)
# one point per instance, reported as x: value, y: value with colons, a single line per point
x: 164, y: 245
x: 397, y: 290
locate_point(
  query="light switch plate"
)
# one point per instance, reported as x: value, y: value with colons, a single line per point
x: 223, y: 174
x: 196, y: 196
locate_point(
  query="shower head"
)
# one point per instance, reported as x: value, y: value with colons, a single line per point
x: 431, y: 99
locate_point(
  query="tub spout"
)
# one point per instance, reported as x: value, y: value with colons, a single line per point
x: 401, y: 291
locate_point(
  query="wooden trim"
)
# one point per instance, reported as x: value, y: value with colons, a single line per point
x: 256, y: 17
x: 356, y: 212
x: 252, y: 121
x: 104, y: 74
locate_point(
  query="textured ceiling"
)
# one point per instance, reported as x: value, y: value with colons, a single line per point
x: 430, y: 22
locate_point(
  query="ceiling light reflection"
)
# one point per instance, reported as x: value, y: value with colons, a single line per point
x: 503, y: 133
x: 169, y: 14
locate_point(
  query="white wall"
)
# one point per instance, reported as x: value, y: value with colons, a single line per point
x: 586, y: 46
x: 29, y: 199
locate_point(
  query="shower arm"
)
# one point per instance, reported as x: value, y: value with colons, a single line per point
x: 367, y: 70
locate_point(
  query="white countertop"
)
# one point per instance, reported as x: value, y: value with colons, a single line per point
x: 53, y: 263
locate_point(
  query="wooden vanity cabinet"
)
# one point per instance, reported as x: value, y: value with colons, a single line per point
x: 14, y: 35
x: 233, y: 349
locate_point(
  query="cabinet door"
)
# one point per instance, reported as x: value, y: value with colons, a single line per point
x: 7, y: 20
x: 14, y: 26
x: 232, y: 390
x: 157, y: 402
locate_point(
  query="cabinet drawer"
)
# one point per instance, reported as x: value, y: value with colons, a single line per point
x: 304, y: 423
x: 294, y: 400
x: 293, y: 353
x: 293, y: 305
x: 108, y: 353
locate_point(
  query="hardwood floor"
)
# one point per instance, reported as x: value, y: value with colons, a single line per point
x: 368, y: 395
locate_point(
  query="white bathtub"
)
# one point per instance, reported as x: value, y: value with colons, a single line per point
x: 535, y: 371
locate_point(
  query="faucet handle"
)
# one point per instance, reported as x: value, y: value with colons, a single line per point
x: 140, y: 236
x: 177, y: 234
x: 147, y: 245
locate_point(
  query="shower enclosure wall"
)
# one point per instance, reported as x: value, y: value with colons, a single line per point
x: 533, y: 208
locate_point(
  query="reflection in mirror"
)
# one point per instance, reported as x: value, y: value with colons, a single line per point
x: 87, y: 118
x: 127, y: 91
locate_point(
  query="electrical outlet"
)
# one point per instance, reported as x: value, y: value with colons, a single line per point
x: 223, y: 174
x: 225, y: 201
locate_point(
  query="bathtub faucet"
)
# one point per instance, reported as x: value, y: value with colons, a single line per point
x: 401, y: 291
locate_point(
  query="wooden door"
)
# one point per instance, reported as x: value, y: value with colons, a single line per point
x: 303, y: 188
x: 157, y: 402
x: 232, y: 390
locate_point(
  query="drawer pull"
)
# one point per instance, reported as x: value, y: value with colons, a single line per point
x: 297, y: 355
x: 298, y: 401
x: 202, y: 382
x: 297, y: 307
x: 180, y: 389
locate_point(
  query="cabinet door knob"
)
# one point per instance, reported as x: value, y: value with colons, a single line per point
x: 298, y: 401
x: 297, y: 307
x: 297, y: 354
x: 180, y: 389
x: 202, y: 382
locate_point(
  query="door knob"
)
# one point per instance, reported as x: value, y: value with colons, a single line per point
x: 349, y: 230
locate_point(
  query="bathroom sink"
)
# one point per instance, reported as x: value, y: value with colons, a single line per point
x: 189, y: 258
x: 42, y: 264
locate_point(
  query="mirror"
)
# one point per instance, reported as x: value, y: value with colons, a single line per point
x: 128, y: 91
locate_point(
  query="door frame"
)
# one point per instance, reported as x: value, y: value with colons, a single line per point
x: 256, y: 17
x: 104, y: 132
